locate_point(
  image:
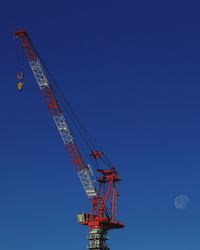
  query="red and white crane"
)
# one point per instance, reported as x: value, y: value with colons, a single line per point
x: 102, y: 192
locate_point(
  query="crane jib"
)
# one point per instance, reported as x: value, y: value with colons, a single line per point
x: 41, y: 77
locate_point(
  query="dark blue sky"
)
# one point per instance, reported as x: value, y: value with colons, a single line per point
x: 131, y: 70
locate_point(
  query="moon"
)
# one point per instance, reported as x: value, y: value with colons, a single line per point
x: 181, y: 201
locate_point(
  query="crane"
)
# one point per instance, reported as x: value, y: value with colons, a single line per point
x: 102, y: 190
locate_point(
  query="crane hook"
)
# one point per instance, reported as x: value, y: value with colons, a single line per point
x: 20, y: 84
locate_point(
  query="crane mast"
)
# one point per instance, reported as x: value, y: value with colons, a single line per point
x: 101, y: 218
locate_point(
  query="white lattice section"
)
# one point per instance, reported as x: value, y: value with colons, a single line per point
x: 63, y: 129
x: 39, y: 73
x: 87, y: 182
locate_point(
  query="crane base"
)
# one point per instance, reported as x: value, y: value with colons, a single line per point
x: 97, y: 239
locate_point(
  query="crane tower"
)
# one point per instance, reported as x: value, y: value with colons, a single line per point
x: 102, y: 190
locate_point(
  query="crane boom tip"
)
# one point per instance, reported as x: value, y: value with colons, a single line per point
x: 20, y: 33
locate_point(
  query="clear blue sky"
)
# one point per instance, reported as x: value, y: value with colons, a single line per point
x: 131, y: 70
